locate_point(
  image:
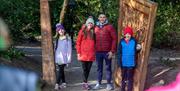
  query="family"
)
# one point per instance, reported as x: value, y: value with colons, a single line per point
x: 97, y: 42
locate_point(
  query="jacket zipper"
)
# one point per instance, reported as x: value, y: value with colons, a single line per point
x: 101, y: 39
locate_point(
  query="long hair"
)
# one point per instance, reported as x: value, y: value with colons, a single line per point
x: 92, y: 34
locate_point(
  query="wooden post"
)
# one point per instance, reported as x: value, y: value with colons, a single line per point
x: 140, y: 15
x: 4, y: 36
x: 63, y: 11
x: 62, y: 14
x: 47, y: 47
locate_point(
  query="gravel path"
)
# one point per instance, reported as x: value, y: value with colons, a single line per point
x: 73, y: 72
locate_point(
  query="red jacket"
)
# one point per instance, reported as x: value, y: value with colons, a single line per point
x: 106, y: 39
x: 85, y: 46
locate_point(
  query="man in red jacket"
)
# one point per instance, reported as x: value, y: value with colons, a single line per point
x: 106, y: 41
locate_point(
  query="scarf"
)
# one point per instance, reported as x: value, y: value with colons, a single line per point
x: 99, y: 24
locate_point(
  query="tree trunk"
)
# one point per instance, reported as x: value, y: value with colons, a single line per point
x: 47, y: 48
x: 63, y: 11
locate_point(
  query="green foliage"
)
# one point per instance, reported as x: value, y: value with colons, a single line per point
x: 77, y: 15
x: 167, y: 27
x: 55, y: 7
x: 11, y: 53
x: 22, y: 17
x: 85, y: 8
x: 94, y: 7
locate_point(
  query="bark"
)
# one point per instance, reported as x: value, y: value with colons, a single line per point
x: 48, y: 66
x: 63, y: 11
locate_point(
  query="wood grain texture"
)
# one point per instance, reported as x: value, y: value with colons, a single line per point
x: 140, y: 15
x: 47, y: 48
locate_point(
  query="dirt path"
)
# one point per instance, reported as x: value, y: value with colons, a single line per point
x: 158, y: 70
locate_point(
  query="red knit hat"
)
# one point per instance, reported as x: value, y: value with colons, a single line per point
x: 128, y: 30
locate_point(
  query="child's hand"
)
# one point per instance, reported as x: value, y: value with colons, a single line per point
x: 78, y: 56
x: 83, y: 27
x: 67, y: 65
x: 138, y: 47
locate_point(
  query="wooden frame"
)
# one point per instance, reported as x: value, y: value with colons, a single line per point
x: 140, y: 15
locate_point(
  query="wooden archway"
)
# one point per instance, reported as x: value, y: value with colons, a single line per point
x: 140, y: 15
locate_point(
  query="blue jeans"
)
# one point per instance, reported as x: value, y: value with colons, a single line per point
x: 100, y: 57
x: 127, y: 79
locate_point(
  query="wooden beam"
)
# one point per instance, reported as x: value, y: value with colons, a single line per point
x: 140, y: 15
x: 63, y: 11
x: 153, y: 10
x: 48, y: 66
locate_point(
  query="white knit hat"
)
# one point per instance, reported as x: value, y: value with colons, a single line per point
x: 90, y: 20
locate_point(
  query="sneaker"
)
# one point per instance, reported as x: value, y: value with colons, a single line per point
x: 56, y: 87
x: 89, y: 87
x: 98, y: 86
x: 86, y: 86
x: 109, y: 87
x: 63, y: 85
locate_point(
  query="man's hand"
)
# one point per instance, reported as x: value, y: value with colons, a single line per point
x: 110, y: 54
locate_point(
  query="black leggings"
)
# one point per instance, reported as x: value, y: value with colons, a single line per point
x: 86, y: 65
x: 60, y: 73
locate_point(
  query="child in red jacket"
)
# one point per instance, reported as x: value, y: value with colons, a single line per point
x: 85, y: 46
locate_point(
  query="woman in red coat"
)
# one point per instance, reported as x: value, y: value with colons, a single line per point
x: 85, y: 46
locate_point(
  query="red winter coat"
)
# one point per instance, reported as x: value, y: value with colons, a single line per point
x: 85, y: 46
x: 106, y: 39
